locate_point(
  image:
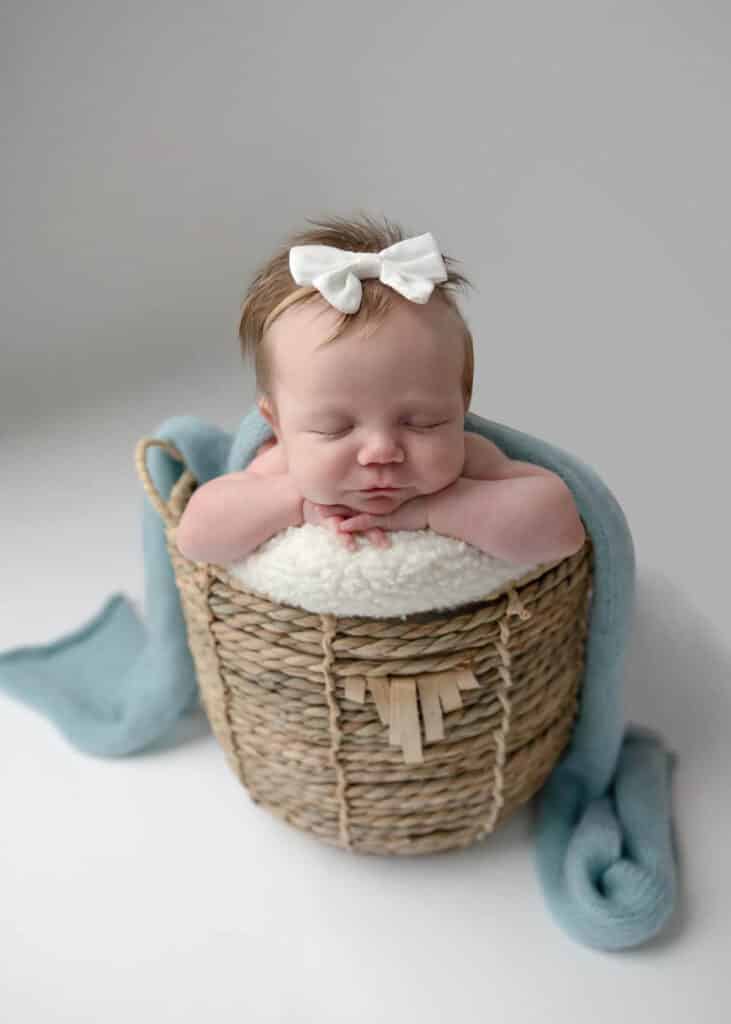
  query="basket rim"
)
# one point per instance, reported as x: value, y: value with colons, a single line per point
x: 187, y: 482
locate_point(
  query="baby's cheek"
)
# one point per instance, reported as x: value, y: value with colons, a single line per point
x: 447, y: 458
x: 315, y: 477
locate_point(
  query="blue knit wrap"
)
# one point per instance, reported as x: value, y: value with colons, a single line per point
x: 604, y: 831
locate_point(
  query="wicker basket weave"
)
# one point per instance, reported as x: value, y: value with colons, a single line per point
x: 401, y: 735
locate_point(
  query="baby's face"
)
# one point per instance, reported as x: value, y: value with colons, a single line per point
x: 364, y: 411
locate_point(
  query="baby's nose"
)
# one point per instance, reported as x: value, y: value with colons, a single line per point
x: 380, y: 448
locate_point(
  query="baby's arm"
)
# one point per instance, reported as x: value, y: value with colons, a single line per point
x: 513, y: 510
x: 516, y: 511
x: 231, y: 515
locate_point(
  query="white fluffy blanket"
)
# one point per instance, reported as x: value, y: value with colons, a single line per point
x: 308, y: 567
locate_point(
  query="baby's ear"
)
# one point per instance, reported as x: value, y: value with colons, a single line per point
x: 265, y: 410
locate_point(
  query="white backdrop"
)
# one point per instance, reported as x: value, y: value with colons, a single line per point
x: 575, y: 158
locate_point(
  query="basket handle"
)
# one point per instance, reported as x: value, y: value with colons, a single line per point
x: 144, y: 473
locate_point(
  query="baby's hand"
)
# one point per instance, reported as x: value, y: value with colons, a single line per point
x: 332, y: 516
x: 412, y: 515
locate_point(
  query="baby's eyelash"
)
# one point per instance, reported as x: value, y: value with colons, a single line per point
x: 426, y: 426
x: 410, y: 426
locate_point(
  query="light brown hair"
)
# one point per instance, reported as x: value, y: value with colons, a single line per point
x: 273, y: 285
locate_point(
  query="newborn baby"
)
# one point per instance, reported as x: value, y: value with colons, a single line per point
x: 367, y: 412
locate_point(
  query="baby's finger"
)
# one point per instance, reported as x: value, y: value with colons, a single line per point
x: 347, y: 540
x: 378, y: 538
x: 332, y: 523
x: 328, y: 511
x: 357, y: 524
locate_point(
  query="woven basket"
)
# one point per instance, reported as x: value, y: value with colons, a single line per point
x: 401, y: 735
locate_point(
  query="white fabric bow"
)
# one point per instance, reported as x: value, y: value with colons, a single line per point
x: 411, y: 267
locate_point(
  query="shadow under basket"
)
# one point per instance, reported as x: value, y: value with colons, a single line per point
x: 405, y: 735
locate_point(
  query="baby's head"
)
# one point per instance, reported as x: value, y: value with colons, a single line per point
x: 376, y: 397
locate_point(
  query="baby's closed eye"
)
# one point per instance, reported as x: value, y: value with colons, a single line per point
x: 411, y: 426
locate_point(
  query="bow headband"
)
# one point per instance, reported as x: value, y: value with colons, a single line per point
x: 411, y: 267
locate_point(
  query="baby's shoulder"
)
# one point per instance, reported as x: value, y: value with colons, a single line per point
x: 269, y: 459
x: 485, y: 461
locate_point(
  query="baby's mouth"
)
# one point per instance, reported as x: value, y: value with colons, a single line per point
x: 381, y: 494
